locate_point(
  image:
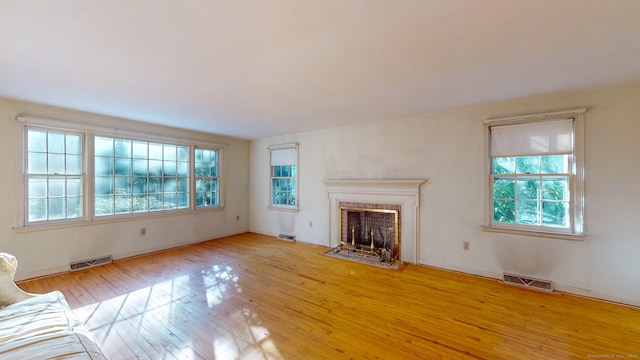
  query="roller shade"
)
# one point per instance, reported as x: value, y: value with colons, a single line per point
x: 281, y: 157
x: 536, y: 138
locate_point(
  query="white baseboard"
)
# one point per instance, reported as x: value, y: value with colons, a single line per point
x: 558, y: 287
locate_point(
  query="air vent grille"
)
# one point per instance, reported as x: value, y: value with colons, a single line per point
x: 528, y: 282
x: 84, y: 264
x: 288, y: 237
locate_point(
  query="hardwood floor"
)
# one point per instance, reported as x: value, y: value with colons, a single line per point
x: 255, y: 297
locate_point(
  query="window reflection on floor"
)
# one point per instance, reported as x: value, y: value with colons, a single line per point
x: 182, y: 318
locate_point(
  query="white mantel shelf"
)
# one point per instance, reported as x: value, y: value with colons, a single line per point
x: 403, y: 192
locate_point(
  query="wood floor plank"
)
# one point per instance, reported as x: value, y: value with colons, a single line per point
x: 255, y: 297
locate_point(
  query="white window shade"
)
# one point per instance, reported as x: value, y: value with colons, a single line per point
x: 281, y: 157
x: 539, y: 138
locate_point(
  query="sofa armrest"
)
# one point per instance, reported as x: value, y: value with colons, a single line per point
x: 10, y: 293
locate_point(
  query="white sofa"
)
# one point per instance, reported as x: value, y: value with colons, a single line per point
x: 39, y: 326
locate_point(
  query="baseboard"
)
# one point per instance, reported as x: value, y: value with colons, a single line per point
x: 571, y: 290
x: 65, y: 268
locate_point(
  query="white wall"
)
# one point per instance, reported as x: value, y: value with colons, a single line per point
x: 42, y: 252
x: 447, y: 149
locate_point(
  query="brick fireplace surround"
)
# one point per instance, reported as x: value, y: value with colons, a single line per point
x: 404, y: 194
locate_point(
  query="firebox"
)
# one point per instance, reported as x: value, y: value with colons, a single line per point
x: 370, y: 230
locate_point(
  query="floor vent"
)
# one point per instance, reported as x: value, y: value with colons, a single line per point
x: 528, y: 282
x: 288, y: 237
x: 84, y: 264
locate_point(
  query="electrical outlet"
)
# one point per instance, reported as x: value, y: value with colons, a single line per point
x: 143, y: 231
x: 310, y: 223
x: 465, y: 245
x: 237, y: 218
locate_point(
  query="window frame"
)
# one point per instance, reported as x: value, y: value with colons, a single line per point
x: 26, y: 175
x: 282, y: 207
x: 220, y: 179
x: 89, y: 133
x: 576, y: 229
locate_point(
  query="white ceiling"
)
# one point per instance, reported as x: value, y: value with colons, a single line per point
x: 255, y: 69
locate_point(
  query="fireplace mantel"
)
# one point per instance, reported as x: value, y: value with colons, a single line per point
x: 403, y: 192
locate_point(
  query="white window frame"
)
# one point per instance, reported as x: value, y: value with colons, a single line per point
x: 576, y: 230
x: 21, y: 222
x: 219, y: 165
x: 280, y: 147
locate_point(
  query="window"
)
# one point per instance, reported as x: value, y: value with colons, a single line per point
x: 284, y: 176
x: 54, y: 181
x: 207, y: 178
x: 127, y: 175
x: 535, y: 173
x: 139, y: 176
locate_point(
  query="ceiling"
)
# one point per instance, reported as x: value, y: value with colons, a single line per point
x: 256, y: 69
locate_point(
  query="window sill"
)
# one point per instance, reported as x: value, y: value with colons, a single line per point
x: 289, y: 209
x: 545, y: 234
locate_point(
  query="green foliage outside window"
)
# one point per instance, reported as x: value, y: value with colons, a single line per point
x: 531, y: 190
x: 283, y: 185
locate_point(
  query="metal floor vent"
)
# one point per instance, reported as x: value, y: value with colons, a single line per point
x: 528, y: 282
x: 84, y: 264
x: 288, y: 237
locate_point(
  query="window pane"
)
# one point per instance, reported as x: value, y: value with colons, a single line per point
x: 294, y: 170
x: 122, y: 185
x: 169, y: 152
x: 183, y: 200
x: 183, y: 184
x: 285, y: 170
x: 55, y: 164
x: 527, y: 212
x: 155, y: 167
x: 104, y: 205
x: 140, y: 185
x: 183, y: 153
x: 56, y: 208
x: 55, y: 143
x: 555, y: 213
x: 504, y: 211
x: 122, y: 148
x: 123, y: 166
x: 140, y: 204
x: 140, y: 150
x: 103, y: 185
x: 555, y: 188
x: 37, y: 187
x: 103, y: 146
x: 123, y: 204
x: 503, y: 165
x: 74, y: 165
x: 37, y: 140
x: 74, y: 144
x: 38, y: 209
x: 528, y: 188
x: 155, y: 151
x: 183, y: 168
x: 528, y: 165
x: 277, y: 171
x: 74, y: 207
x: 170, y: 168
x: 37, y: 163
x: 504, y: 188
x: 57, y: 187
x: 140, y: 167
x: 103, y: 165
x: 554, y: 164
x: 74, y: 187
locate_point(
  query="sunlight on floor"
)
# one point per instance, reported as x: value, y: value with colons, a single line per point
x: 175, y: 319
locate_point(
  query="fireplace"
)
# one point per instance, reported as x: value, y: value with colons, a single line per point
x: 360, y: 206
x: 370, y: 229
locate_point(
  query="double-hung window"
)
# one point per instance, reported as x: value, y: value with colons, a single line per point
x: 536, y: 174
x: 207, y: 177
x: 54, y: 175
x: 284, y: 176
x: 73, y: 173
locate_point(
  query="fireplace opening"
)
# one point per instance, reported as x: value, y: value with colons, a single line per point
x: 369, y: 231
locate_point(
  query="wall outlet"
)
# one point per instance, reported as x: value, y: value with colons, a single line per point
x: 143, y: 231
x: 238, y: 218
x: 310, y: 223
x: 465, y: 245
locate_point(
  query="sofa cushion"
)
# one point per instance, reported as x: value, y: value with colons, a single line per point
x: 44, y: 327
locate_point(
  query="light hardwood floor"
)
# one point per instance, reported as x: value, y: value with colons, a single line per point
x: 255, y: 297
